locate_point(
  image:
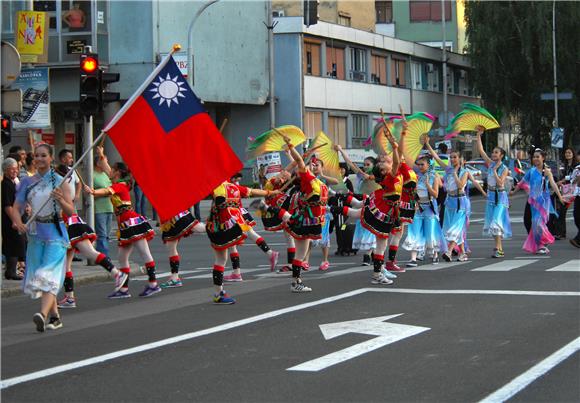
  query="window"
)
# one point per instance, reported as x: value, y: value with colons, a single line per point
x: 334, y: 62
x: 312, y: 123
x: 360, y: 130
x: 384, y: 12
x: 337, y: 129
x: 432, y: 71
x: 311, y: 59
x: 378, y: 69
x: 416, y: 76
x: 421, y: 11
x: 343, y: 19
x: 358, y: 64
x: 398, y: 72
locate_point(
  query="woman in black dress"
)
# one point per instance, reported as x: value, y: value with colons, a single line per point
x: 13, y: 243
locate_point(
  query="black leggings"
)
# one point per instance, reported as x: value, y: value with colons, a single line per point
x: 528, y: 217
x: 577, y: 216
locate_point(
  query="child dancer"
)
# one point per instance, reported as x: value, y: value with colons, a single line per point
x: 497, y: 219
x: 456, y: 202
x: 379, y: 213
x: 424, y: 233
x: 134, y: 231
x: 180, y: 226
x: 81, y: 237
x: 363, y: 239
x: 236, y: 275
x: 226, y: 228
x: 535, y: 182
x: 308, y: 217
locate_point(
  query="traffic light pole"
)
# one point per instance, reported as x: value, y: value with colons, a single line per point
x: 88, y: 142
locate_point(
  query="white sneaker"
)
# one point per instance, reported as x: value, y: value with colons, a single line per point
x: 387, y: 273
x: 380, y: 279
x: 463, y: 258
x: 543, y: 251
x: 299, y: 287
x: 421, y: 256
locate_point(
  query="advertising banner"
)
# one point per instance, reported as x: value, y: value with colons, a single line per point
x: 35, y: 99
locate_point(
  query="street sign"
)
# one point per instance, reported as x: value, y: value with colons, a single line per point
x: 10, y: 60
x: 558, y: 137
x: 386, y: 333
x: 549, y: 96
x: 11, y: 101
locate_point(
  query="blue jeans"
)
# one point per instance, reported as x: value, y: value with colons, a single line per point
x: 103, y: 229
x: 140, y: 201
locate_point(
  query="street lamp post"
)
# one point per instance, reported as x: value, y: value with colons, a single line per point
x: 189, y: 40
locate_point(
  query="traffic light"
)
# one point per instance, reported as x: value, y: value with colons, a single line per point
x: 6, y: 124
x: 89, y: 100
x: 104, y: 80
x: 310, y: 12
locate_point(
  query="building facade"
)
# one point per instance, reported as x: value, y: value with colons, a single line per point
x: 335, y: 78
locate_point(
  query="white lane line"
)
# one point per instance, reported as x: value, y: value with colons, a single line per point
x: 6, y: 383
x: 478, y: 292
x: 535, y: 257
x: 572, y: 265
x: 541, y: 368
x: 506, y: 265
x: 209, y: 275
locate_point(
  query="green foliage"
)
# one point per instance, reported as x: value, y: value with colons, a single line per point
x: 510, y: 46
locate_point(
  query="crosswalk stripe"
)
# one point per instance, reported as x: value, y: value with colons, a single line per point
x: 439, y: 266
x: 506, y: 265
x: 572, y: 265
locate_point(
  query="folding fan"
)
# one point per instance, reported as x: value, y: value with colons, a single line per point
x: 379, y: 140
x: 419, y: 123
x: 469, y: 119
x: 324, y: 150
x: 272, y: 140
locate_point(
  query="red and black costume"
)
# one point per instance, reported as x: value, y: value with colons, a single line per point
x: 380, y: 214
x: 178, y: 227
x: 271, y: 217
x: 308, y: 210
x: 78, y: 230
x: 407, y: 202
x: 226, y: 225
x: 132, y: 226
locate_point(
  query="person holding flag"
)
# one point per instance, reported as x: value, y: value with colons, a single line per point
x: 134, y: 230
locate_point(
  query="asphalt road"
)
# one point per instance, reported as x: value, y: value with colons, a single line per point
x: 453, y: 332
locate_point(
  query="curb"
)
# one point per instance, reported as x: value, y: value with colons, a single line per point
x: 96, y: 278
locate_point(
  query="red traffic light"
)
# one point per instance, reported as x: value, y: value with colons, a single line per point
x: 5, y: 123
x: 89, y: 64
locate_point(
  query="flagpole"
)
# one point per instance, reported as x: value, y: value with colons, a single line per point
x: 68, y: 174
x: 176, y: 47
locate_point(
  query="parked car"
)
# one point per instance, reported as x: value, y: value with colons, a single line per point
x: 480, y: 164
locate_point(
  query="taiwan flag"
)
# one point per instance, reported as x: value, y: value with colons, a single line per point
x: 172, y: 147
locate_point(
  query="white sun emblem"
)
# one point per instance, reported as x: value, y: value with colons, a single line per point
x: 168, y: 90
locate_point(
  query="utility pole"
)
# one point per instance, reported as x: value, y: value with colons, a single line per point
x: 87, y: 141
x: 443, y: 27
x: 555, y: 123
x: 272, y: 95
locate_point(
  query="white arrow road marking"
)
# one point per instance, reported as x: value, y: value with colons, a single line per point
x: 572, y: 265
x: 387, y: 333
x: 6, y: 383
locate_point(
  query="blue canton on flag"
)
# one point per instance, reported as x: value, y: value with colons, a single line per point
x: 171, y: 98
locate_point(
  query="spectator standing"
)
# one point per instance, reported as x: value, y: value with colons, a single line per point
x: 103, y: 205
x: 13, y: 243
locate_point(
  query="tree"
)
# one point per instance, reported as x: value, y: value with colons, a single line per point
x: 510, y: 46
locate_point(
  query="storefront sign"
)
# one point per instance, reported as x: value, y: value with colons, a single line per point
x: 76, y: 47
x: 32, y: 36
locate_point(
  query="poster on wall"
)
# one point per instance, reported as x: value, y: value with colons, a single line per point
x: 35, y: 99
x: 32, y: 36
x: 272, y: 163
